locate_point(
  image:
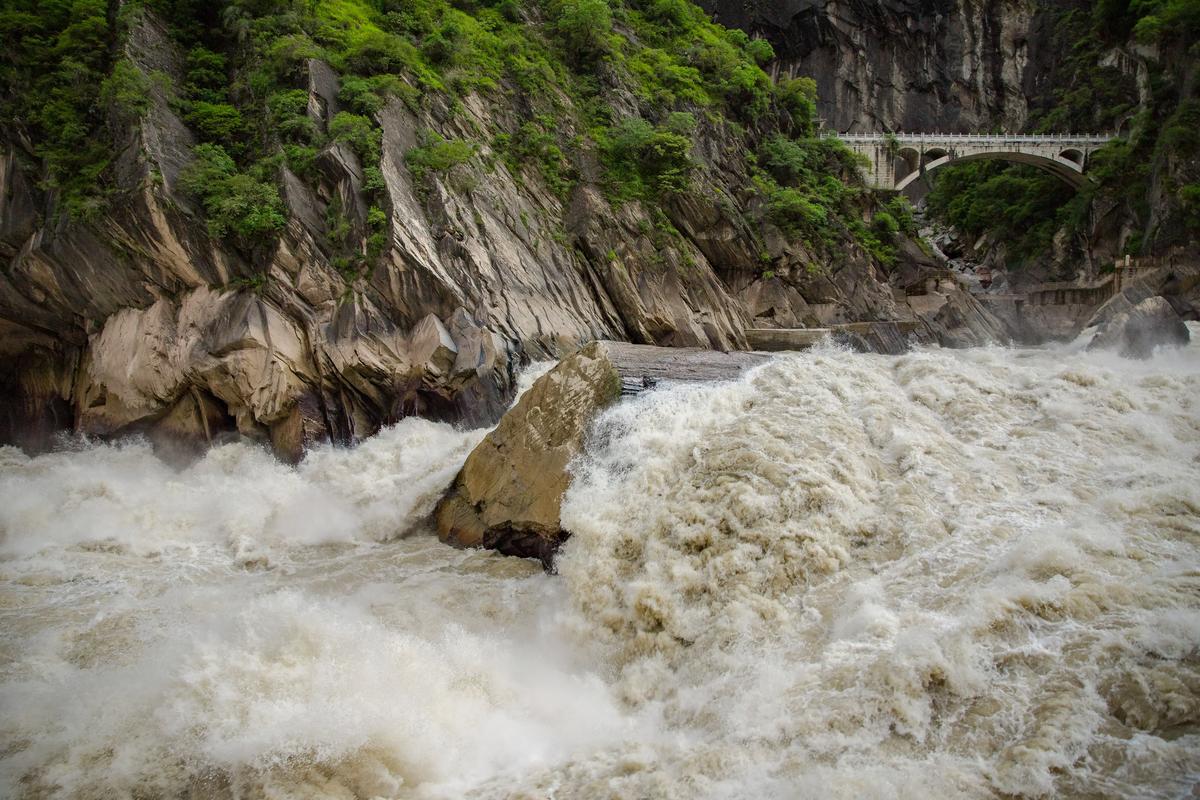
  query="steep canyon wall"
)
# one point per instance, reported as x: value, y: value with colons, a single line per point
x: 138, y: 319
x: 899, y: 65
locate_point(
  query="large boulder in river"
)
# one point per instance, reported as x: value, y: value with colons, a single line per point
x: 1137, y: 332
x: 508, y: 495
x: 1120, y: 303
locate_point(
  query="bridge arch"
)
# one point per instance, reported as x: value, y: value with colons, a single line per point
x: 1066, y: 169
x: 897, y: 160
x: 931, y: 154
x: 1073, y: 154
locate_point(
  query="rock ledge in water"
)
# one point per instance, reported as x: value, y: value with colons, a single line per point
x: 1135, y: 333
x: 508, y: 495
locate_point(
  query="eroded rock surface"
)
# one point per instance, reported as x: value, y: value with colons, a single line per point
x: 509, y: 493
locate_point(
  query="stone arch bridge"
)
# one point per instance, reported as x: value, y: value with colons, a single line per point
x: 899, y: 160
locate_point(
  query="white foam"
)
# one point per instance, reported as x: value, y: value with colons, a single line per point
x: 938, y: 572
x: 944, y: 574
x: 120, y: 495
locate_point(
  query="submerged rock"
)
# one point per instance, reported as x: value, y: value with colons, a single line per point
x: 872, y: 337
x: 508, y: 495
x: 1137, y: 332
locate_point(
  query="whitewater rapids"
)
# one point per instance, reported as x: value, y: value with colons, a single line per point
x: 943, y: 574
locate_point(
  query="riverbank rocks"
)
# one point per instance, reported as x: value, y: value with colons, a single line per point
x: 1136, y: 333
x: 381, y: 293
x: 508, y: 495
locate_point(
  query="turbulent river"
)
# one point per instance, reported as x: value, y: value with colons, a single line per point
x: 945, y: 574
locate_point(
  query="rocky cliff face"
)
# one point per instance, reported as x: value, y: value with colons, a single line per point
x: 140, y: 320
x: 907, y: 66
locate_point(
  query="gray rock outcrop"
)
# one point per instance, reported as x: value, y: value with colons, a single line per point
x: 872, y: 337
x: 1120, y: 303
x: 141, y: 322
x: 1140, y: 330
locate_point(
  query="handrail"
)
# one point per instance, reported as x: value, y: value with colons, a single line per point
x: 986, y: 138
x: 1059, y: 286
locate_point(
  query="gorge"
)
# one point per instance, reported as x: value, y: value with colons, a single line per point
x: 808, y: 391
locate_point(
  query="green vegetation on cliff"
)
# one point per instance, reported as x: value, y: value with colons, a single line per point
x: 1014, y: 203
x: 236, y: 202
x: 59, y: 81
x: 618, y: 91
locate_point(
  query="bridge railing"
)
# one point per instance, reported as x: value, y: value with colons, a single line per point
x: 980, y: 138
